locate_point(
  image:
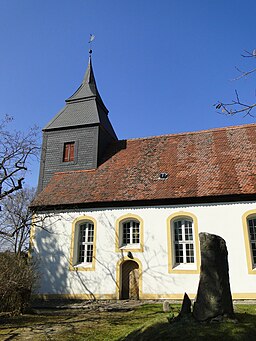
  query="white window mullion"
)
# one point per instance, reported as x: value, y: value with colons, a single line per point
x: 86, y: 243
x: 183, y: 241
x: 131, y: 232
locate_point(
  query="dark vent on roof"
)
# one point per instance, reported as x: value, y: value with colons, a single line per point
x: 163, y: 176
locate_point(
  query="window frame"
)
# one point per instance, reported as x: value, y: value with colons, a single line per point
x: 129, y: 232
x: 252, y: 241
x: 65, y: 144
x: 185, y: 267
x: 180, y: 242
x: 251, y: 265
x: 75, y: 263
x: 119, y: 230
x: 85, y: 247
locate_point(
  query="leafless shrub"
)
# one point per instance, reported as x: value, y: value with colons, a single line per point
x: 17, y: 278
x: 16, y: 221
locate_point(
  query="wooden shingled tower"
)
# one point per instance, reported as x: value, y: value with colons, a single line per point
x: 77, y: 137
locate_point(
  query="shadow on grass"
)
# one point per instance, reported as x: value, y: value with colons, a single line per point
x: 42, y: 320
x: 143, y: 323
x: 244, y: 329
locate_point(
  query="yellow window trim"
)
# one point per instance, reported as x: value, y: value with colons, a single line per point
x: 118, y: 276
x: 246, y: 215
x: 117, y: 229
x: 74, y: 225
x: 182, y: 214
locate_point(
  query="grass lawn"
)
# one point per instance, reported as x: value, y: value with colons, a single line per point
x: 146, y: 322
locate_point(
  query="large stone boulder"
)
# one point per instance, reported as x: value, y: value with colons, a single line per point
x: 213, y: 295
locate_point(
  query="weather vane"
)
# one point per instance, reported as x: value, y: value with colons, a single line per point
x: 92, y: 37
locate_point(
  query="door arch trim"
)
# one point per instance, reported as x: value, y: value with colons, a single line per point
x: 118, y: 276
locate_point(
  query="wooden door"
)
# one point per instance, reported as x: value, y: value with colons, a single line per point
x: 134, y: 284
x: 129, y: 280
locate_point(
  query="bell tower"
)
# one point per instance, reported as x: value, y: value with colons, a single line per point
x: 77, y: 137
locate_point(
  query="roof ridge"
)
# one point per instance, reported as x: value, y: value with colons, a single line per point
x: 193, y: 132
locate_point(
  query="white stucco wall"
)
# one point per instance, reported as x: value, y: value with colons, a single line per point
x: 53, y: 250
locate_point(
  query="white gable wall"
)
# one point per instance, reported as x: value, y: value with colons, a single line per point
x: 53, y: 251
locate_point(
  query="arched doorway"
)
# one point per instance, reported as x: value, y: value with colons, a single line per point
x: 129, y: 280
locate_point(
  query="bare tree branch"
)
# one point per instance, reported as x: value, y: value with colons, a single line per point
x: 237, y: 106
x: 244, y: 73
x: 249, y: 54
x: 16, y: 220
x: 16, y: 149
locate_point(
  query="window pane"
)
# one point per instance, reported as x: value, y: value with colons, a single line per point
x: 136, y: 232
x: 190, y: 253
x: 89, y: 253
x: 252, y: 229
x: 90, y: 233
x: 188, y: 233
x: 176, y: 236
x: 81, y: 253
x: 178, y: 253
x: 126, y: 233
x: 82, y: 233
x: 178, y: 230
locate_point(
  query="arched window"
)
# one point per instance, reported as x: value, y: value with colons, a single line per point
x: 183, y: 246
x: 85, y: 241
x: 129, y: 233
x: 252, y: 235
x: 83, y: 246
x: 184, y: 250
x: 249, y: 223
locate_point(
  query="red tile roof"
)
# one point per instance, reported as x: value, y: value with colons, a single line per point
x: 215, y: 162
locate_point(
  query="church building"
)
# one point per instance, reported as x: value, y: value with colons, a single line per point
x: 121, y: 218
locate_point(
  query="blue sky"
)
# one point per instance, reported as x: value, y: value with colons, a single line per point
x: 159, y: 65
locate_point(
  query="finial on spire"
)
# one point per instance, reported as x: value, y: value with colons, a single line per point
x: 92, y: 37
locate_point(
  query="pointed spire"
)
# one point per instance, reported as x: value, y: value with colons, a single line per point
x: 89, y: 75
x: 85, y: 106
x: 88, y: 87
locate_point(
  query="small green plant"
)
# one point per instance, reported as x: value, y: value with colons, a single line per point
x: 171, y: 315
